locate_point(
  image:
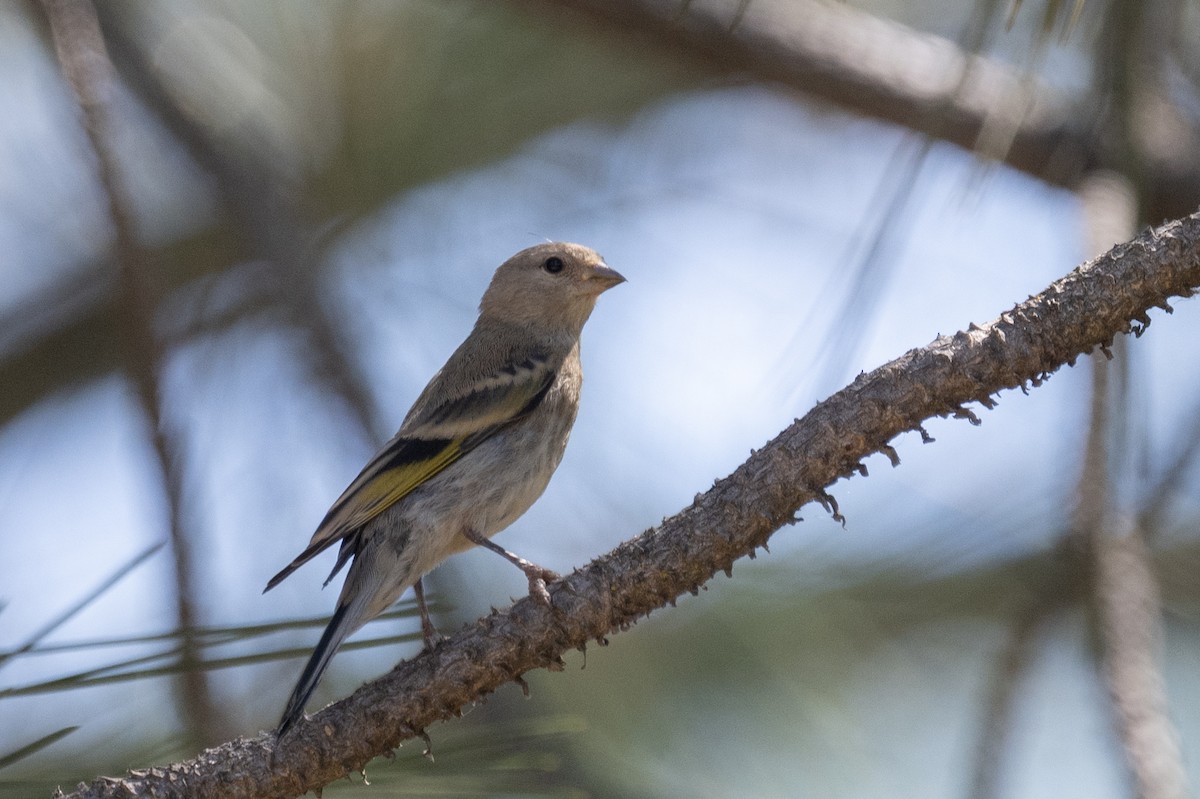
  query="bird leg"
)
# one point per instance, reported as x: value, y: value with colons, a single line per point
x: 537, y: 576
x: 428, y: 631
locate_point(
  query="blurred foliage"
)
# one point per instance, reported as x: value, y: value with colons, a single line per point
x: 264, y: 142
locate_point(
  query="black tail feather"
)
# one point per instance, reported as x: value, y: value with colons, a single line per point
x: 335, y: 632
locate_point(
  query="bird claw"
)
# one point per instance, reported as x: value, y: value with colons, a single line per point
x: 538, y: 578
x: 431, y: 638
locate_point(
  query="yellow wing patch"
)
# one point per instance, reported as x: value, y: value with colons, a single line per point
x: 395, y: 473
x: 398, y: 472
x: 395, y: 483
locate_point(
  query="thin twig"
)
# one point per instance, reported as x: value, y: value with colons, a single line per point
x: 83, y: 602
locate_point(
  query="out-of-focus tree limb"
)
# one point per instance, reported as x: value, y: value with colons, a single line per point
x: 1089, y: 307
x: 273, y: 213
x: 883, y: 69
x: 85, y: 64
x: 67, y: 335
x: 270, y: 222
x: 1129, y: 611
x: 1125, y: 587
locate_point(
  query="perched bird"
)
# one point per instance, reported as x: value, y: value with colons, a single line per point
x: 475, y: 451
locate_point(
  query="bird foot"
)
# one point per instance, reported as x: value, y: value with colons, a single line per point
x: 431, y: 636
x: 538, y: 578
x: 429, y: 633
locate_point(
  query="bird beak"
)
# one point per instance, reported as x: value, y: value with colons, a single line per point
x: 606, y: 276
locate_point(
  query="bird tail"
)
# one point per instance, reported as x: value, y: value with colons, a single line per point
x: 377, y: 578
x: 343, y: 623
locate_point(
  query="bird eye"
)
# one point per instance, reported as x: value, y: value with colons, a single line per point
x: 553, y: 265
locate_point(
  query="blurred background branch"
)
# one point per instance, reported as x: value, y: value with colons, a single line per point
x: 84, y: 59
x: 875, y: 67
x: 1127, y: 598
x: 271, y: 227
x: 234, y: 254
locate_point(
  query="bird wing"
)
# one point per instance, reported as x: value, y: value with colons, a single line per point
x: 432, y: 438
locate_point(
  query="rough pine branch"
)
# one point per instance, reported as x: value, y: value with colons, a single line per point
x: 1103, y: 298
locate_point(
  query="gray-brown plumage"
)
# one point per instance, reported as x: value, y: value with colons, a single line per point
x: 475, y: 451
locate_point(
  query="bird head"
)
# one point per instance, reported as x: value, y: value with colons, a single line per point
x: 552, y: 286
